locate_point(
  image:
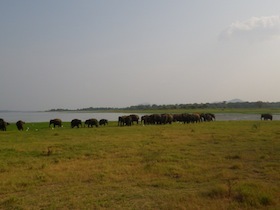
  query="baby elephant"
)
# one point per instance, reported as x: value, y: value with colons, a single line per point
x: 76, y: 123
x: 20, y: 125
x: 103, y: 122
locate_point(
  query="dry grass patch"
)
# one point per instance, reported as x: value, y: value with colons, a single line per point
x: 217, y: 165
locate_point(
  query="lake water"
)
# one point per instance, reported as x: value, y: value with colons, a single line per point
x: 64, y: 116
x: 13, y: 116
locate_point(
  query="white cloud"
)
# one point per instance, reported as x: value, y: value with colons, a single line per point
x: 255, y: 28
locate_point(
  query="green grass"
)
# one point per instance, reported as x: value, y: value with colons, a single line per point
x: 216, y: 165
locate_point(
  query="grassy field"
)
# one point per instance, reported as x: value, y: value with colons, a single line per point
x: 215, y: 165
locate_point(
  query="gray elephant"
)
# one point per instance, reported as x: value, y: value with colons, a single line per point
x: 134, y: 118
x: 103, y: 122
x: 146, y: 119
x: 91, y: 122
x: 76, y: 123
x: 207, y: 117
x: 166, y: 118
x: 19, y: 125
x: 3, y: 125
x: 125, y: 120
x: 121, y: 120
x: 128, y: 121
x: 187, y: 118
x: 155, y: 119
x: 55, y: 122
x: 195, y: 118
x: 177, y: 117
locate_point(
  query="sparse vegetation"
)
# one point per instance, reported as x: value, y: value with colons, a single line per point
x: 215, y: 165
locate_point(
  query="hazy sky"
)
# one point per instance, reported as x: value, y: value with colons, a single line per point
x: 118, y: 53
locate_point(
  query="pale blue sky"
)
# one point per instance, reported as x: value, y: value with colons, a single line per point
x: 77, y: 54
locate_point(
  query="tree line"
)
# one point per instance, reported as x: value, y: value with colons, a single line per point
x: 216, y: 105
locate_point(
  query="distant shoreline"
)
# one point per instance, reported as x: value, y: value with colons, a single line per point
x: 275, y: 111
x: 234, y: 106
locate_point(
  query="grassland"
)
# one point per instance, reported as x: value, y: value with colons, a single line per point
x: 215, y: 165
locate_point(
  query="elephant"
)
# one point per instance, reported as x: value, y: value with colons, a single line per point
x: 91, y: 122
x: 266, y: 116
x: 121, y: 120
x: 177, y: 117
x: 166, y: 118
x: 195, y: 118
x: 186, y: 118
x: 20, y: 125
x: 103, y: 122
x: 134, y: 118
x: 211, y: 116
x: 146, y: 119
x: 125, y: 120
x: 128, y: 120
x: 56, y: 122
x: 3, y: 125
x: 155, y: 119
x: 207, y: 117
x: 76, y: 123
x: 203, y: 117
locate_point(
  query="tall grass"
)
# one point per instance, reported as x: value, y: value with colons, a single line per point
x: 216, y: 165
